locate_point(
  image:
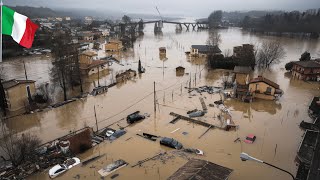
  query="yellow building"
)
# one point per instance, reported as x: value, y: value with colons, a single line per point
x: 264, y: 88
x: 242, y: 74
x: 87, y: 57
x: 18, y: 93
x: 114, y: 46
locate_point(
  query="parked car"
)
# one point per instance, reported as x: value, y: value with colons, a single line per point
x: 131, y: 118
x: 250, y: 139
x: 109, y: 133
x: 170, y: 142
x: 117, y: 134
x: 61, y: 168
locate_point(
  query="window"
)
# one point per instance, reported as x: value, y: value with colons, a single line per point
x: 268, y: 90
x: 59, y: 170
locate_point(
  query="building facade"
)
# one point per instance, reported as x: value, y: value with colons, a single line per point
x: 263, y: 88
x: 306, y: 70
x: 203, y: 50
x: 114, y: 46
x: 18, y: 93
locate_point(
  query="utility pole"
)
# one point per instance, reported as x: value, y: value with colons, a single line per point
x: 95, y: 115
x: 98, y: 77
x: 154, y: 97
x: 25, y: 71
x: 190, y: 82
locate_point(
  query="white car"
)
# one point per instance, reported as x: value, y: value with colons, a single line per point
x: 61, y: 168
x: 109, y: 133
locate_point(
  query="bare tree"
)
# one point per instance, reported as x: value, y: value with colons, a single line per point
x: 65, y: 70
x: 214, y: 38
x: 18, y: 148
x: 3, y: 101
x: 269, y: 53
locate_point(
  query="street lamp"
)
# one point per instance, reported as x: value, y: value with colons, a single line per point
x: 245, y: 157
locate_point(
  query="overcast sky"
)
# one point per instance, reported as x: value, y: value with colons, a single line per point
x: 171, y: 7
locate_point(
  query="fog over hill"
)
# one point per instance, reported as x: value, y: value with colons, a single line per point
x: 200, y: 8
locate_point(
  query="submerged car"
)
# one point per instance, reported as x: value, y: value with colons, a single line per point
x: 109, y: 133
x: 170, y: 142
x: 117, y: 134
x: 250, y: 139
x: 61, y: 168
x: 131, y: 118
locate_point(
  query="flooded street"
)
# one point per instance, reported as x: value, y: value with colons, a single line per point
x: 274, y: 123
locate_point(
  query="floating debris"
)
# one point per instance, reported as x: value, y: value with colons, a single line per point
x: 197, y: 114
x: 118, y: 164
x: 195, y: 151
x: 185, y: 133
x: 84, y: 163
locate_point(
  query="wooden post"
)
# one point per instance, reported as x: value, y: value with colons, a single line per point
x: 25, y: 71
x: 190, y: 82
x: 95, y: 115
x: 154, y: 97
x: 172, y: 95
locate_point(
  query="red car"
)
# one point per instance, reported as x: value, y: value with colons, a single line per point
x: 250, y: 139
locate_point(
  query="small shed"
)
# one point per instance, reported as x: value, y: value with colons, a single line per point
x: 162, y: 50
x: 180, y: 71
x: 79, y: 140
x: 197, y: 169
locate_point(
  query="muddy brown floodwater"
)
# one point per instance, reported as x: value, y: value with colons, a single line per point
x: 274, y: 123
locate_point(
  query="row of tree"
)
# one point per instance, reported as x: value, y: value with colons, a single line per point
x: 294, y: 22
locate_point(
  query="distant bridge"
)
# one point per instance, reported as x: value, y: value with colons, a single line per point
x: 158, y: 25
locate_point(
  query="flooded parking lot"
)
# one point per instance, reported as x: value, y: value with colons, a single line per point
x: 274, y: 123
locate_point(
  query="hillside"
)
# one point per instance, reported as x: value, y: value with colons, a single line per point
x: 35, y: 12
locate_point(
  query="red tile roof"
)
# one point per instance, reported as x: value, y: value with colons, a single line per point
x: 13, y: 82
x: 94, y: 64
x: 265, y: 80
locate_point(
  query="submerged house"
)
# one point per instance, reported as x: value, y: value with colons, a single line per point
x: 201, y: 169
x: 314, y: 108
x: 241, y: 81
x: 203, y: 50
x: 306, y: 70
x: 180, y: 71
x: 264, y: 88
x: 114, y: 46
x: 242, y: 74
x: 163, y: 53
x: 90, y: 64
x: 18, y: 94
x: 93, y: 67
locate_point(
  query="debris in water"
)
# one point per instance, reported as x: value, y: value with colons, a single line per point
x: 189, y: 112
x: 114, y: 176
x: 197, y: 114
x: 218, y: 102
x: 148, y: 159
x: 175, y: 130
x: 196, y: 151
x: 237, y: 140
x: 84, y: 163
x: 112, y: 167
